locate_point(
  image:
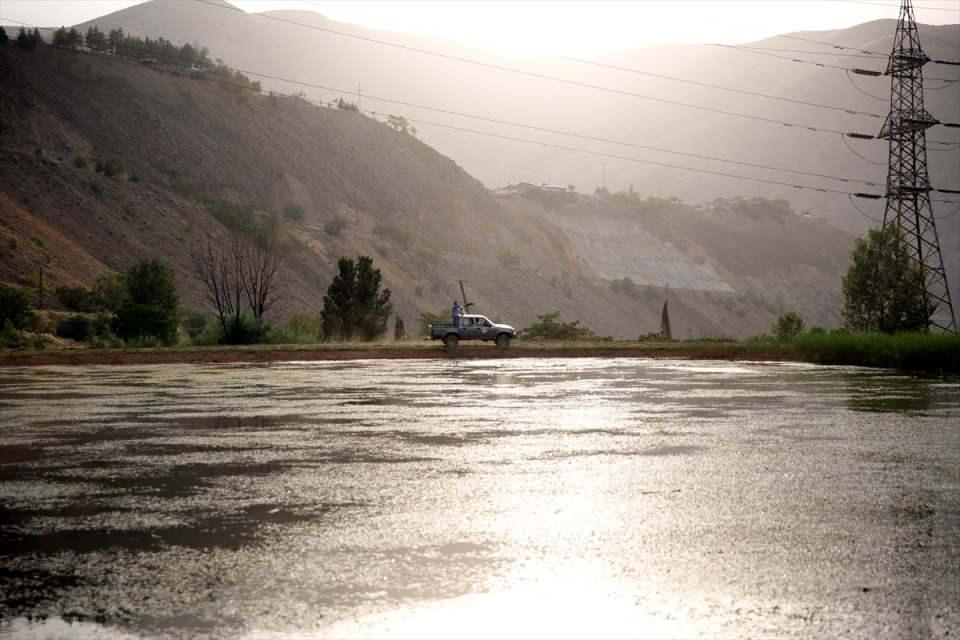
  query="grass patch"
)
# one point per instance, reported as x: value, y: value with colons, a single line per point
x: 933, y: 353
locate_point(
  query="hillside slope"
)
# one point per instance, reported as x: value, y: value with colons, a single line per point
x: 272, y: 44
x: 426, y: 221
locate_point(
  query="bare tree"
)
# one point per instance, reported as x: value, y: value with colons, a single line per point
x: 259, y: 261
x: 239, y: 273
x: 215, y: 263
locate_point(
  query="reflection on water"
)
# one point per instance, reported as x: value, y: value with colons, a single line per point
x: 518, y: 498
x: 894, y: 392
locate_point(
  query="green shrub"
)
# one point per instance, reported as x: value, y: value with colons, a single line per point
x: 110, y: 166
x: 195, y: 323
x: 77, y: 328
x: 80, y: 162
x: 15, y: 307
x: 549, y: 328
x: 10, y: 336
x: 335, y: 227
x: 151, y: 308
x: 294, y: 212
x: 907, y: 351
x: 303, y: 328
x: 76, y: 299
x: 787, y: 327
x: 109, y: 291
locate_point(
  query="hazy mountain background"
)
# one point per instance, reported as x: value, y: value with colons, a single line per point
x: 730, y: 255
x: 273, y: 47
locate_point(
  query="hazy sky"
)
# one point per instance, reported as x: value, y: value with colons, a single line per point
x: 552, y: 26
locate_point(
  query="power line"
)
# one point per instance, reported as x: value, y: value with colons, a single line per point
x: 574, y: 149
x: 722, y: 88
x: 572, y: 134
x: 862, y: 212
x: 822, y: 65
x: 562, y: 80
x: 835, y: 46
x: 856, y: 153
x: 531, y: 74
x: 539, y: 142
x: 891, y: 6
x: 346, y: 92
x: 808, y: 52
x: 866, y: 93
x: 863, y: 51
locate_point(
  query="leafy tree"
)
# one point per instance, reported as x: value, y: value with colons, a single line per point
x: 109, y: 291
x: 60, y: 37
x: 78, y: 328
x: 346, y: 106
x: 549, y: 328
x: 76, y: 299
x: 354, y: 304
x: 25, y: 41
x: 115, y: 39
x: 73, y: 39
x: 96, y: 39
x: 10, y: 336
x: 151, y: 308
x: 788, y: 326
x: 884, y: 288
x: 15, y: 307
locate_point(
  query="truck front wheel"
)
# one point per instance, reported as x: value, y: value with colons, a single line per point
x: 503, y: 341
x: 451, y: 341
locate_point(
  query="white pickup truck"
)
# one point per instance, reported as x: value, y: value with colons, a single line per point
x: 473, y: 327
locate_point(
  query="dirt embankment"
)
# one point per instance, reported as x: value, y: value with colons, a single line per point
x: 413, y: 352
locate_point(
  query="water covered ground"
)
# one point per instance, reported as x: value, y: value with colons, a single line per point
x: 514, y: 498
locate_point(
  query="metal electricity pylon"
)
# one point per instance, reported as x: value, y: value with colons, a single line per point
x: 908, y: 183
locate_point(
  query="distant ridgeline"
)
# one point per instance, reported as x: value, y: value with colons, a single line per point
x: 192, y: 58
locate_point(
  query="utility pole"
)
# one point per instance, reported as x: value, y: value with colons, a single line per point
x: 908, y: 182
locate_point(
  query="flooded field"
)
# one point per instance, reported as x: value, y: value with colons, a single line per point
x: 513, y: 498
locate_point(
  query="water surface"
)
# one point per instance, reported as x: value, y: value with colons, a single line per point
x: 514, y: 498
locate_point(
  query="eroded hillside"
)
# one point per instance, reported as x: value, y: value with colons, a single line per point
x: 177, y: 140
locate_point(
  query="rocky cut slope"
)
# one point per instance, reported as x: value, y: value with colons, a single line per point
x: 174, y: 141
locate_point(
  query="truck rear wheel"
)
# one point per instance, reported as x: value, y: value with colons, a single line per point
x: 503, y: 341
x: 451, y: 341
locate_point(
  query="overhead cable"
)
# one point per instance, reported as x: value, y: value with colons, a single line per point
x: 581, y: 150
x: 532, y: 74
x: 721, y: 88
x: 822, y: 65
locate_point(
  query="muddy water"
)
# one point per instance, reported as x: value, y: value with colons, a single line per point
x: 519, y: 498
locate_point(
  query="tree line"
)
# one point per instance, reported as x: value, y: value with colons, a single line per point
x: 119, y: 43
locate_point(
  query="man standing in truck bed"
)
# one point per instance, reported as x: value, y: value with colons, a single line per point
x: 457, y: 313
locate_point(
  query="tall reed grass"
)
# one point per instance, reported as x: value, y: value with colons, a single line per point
x: 934, y: 353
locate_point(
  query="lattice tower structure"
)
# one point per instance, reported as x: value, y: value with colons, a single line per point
x: 908, y: 183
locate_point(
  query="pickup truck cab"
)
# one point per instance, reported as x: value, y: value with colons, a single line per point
x: 473, y: 327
